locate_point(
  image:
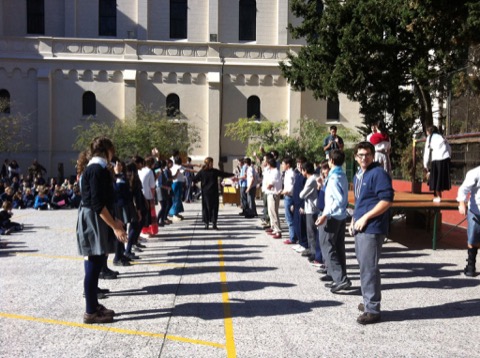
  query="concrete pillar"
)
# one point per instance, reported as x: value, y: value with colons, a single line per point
x: 213, y: 21
x: 44, y: 119
x: 282, y: 22
x: 294, y: 109
x: 142, y: 26
x: 214, y: 116
x: 70, y: 18
x: 130, y: 97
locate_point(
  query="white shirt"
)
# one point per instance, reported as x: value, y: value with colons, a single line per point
x: 148, y: 182
x: 250, y: 176
x: 273, y: 178
x: 288, y: 181
x: 440, y: 148
x: 178, y: 168
x: 471, y: 185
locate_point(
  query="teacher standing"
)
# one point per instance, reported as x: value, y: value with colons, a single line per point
x: 208, y: 177
x: 96, y: 225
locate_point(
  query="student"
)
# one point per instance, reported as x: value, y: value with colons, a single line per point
x: 41, y: 200
x: 373, y: 198
x: 6, y: 224
x: 287, y: 192
x: 334, y: 214
x: 470, y: 186
x: 332, y: 141
x: 273, y: 180
x: 310, y: 194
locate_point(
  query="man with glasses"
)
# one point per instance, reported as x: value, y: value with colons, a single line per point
x: 373, y: 198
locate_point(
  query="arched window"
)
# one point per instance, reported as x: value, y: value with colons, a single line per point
x: 4, y: 101
x: 89, y: 104
x: 178, y: 19
x: 333, y: 110
x: 35, y: 17
x: 173, y: 105
x: 253, y: 107
x: 247, y: 20
x: 107, y: 17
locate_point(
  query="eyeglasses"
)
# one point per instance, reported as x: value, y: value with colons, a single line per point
x: 364, y: 155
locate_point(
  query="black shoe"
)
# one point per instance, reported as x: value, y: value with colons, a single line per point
x: 368, y: 318
x: 107, y: 276
x: 131, y: 256
x: 112, y: 272
x: 100, y: 295
x: 341, y: 286
x: 242, y: 213
x: 306, y: 253
x: 136, y: 249
x: 121, y: 262
x: 214, y: 227
x: 469, y: 271
x: 206, y: 226
x: 322, y: 270
x: 311, y: 258
x: 142, y: 246
x: 103, y: 290
x: 326, y: 278
x: 330, y: 284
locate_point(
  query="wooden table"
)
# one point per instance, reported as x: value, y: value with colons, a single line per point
x: 410, y: 201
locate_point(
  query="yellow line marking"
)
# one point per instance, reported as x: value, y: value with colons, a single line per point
x: 112, y: 329
x: 230, y: 339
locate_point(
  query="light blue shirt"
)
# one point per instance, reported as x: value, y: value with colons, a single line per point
x: 336, y: 194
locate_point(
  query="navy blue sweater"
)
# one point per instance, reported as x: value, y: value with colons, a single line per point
x: 375, y: 186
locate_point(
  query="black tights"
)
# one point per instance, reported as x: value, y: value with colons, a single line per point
x: 93, y: 267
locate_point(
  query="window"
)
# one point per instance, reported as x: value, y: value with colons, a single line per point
x: 173, y: 105
x: 253, y: 107
x: 247, y: 20
x: 35, y: 17
x: 107, y: 18
x: 178, y: 19
x: 333, y: 110
x: 4, y: 101
x: 89, y: 104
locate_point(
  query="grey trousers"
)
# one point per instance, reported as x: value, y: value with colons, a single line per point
x: 332, y: 243
x: 368, y: 248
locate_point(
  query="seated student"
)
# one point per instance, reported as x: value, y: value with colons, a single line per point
x: 5, y: 222
x: 58, y: 201
x: 28, y: 198
x: 17, y: 202
x: 75, y: 198
x: 7, y: 195
x: 41, y: 200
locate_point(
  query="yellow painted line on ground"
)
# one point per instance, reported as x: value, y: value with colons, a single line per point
x: 112, y: 329
x: 230, y: 338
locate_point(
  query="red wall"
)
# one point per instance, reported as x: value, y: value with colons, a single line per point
x: 448, y: 216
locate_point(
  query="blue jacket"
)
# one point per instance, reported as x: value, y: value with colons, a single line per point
x: 336, y: 194
x: 370, y: 188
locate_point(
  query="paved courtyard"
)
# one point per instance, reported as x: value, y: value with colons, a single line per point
x: 230, y: 293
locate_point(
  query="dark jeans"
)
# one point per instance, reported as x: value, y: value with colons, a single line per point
x: 134, y: 231
x: 92, y: 266
x: 162, y: 214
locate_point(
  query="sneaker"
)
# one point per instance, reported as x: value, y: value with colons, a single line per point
x: 176, y: 219
x: 288, y: 242
x: 296, y: 246
x: 306, y: 253
x: 105, y: 311
x: 97, y: 317
x: 341, y: 286
x: 269, y: 230
x: 277, y: 236
x: 368, y: 318
x: 322, y: 270
x: 301, y: 249
x: 316, y: 263
x: 437, y: 199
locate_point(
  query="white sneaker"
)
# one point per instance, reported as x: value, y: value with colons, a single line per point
x: 295, y: 247
x: 437, y: 200
x: 300, y: 249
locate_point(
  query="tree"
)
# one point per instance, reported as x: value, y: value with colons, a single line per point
x: 391, y: 56
x: 138, y: 135
x: 14, y: 128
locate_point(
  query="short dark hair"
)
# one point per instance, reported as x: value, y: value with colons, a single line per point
x: 333, y: 127
x: 308, y: 167
x: 301, y: 159
x: 248, y: 161
x: 337, y: 156
x: 289, y: 161
x: 272, y: 162
x: 324, y: 164
x: 364, y: 145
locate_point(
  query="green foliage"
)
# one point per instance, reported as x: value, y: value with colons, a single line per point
x: 138, y: 135
x: 14, y: 128
x: 256, y: 132
x: 390, y: 56
x: 406, y: 162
